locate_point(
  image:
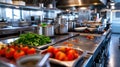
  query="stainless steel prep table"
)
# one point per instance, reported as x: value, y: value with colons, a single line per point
x: 94, y: 46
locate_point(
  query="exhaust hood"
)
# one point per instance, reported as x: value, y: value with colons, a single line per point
x: 70, y: 3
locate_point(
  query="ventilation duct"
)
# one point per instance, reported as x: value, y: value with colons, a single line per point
x: 69, y: 3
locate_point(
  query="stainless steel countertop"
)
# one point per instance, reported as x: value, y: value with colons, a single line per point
x: 16, y: 28
x: 54, y: 39
x: 84, y: 43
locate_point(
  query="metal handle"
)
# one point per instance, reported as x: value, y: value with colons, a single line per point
x: 42, y: 62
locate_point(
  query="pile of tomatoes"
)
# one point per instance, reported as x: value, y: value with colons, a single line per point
x: 16, y: 51
x: 63, y: 53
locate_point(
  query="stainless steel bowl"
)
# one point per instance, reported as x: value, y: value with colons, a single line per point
x: 31, y: 61
x: 92, y: 29
x: 47, y: 31
x: 80, y: 28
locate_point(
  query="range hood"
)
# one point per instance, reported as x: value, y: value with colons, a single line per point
x: 70, y: 3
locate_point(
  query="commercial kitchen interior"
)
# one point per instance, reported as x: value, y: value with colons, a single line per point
x: 67, y: 20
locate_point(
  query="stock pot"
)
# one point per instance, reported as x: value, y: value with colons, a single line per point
x: 47, y: 30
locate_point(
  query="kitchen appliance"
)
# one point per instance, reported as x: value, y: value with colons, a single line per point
x: 71, y: 22
x: 61, y: 29
x: 47, y: 30
x: 71, y: 26
x: 61, y: 25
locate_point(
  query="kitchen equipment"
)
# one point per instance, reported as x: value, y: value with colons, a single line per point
x: 71, y: 26
x: 33, y: 61
x: 42, y: 62
x: 61, y: 29
x: 24, y: 23
x: 92, y: 29
x: 5, y: 64
x: 80, y: 28
x: 61, y: 25
x: 3, y: 24
x: 66, y: 63
x: 9, y: 1
x: 47, y: 30
x: 6, y: 1
x: 69, y: 3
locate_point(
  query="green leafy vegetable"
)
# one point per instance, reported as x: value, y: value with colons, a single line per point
x: 43, y: 24
x: 32, y: 39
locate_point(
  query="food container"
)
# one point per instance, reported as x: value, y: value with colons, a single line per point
x: 80, y: 28
x: 31, y: 61
x: 61, y: 29
x: 92, y: 29
x: 67, y: 63
x: 71, y: 26
x: 47, y: 31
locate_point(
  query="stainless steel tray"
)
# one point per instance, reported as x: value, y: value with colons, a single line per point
x: 68, y: 63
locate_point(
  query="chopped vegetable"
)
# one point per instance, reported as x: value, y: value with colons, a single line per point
x: 32, y: 39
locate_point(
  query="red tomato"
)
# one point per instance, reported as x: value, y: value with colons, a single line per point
x: 70, y: 57
x: 72, y: 51
x: 66, y: 58
x: 16, y: 47
x: 9, y: 52
x: 25, y: 49
x: 50, y: 49
x: 51, y: 55
x: 2, y: 51
x: 55, y: 51
x: 68, y: 48
x: 60, y: 56
x: 76, y: 55
x: 71, y: 54
x: 31, y: 51
x: 11, y: 46
x: 63, y: 49
x: 18, y: 54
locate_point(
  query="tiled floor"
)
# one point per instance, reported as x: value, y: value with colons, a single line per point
x: 114, y: 51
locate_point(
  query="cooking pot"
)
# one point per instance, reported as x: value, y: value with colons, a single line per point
x: 71, y: 26
x: 61, y: 29
x: 47, y: 30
